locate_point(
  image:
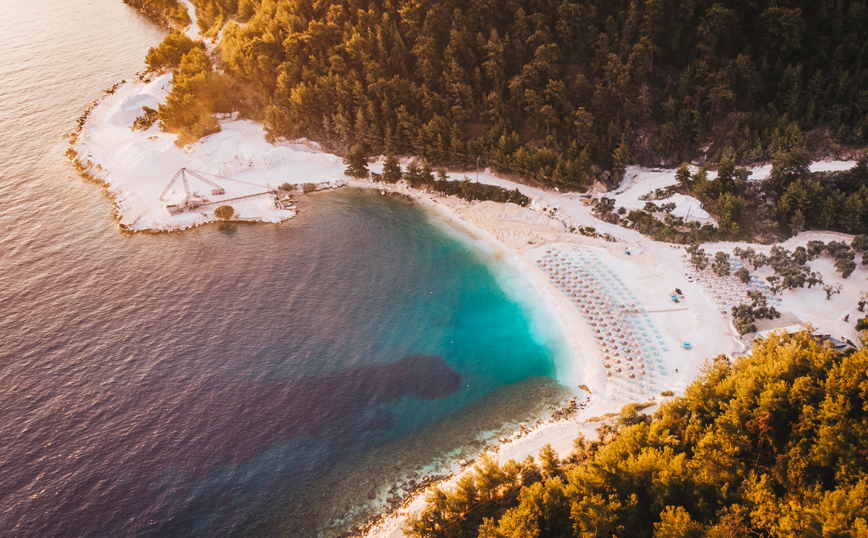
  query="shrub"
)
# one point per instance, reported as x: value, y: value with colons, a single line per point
x: 146, y: 120
x: 170, y: 51
x: 224, y: 212
x: 308, y: 187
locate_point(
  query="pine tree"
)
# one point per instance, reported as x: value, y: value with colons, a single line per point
x: 357, y: 162
x: 391, y: 169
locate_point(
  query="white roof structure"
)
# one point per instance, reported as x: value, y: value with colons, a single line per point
x: 789, y: 329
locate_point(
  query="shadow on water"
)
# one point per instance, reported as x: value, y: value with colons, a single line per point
x: 331, y: 499
x: 168, y: 413
x: 164, y: 385
x: 227, y: 228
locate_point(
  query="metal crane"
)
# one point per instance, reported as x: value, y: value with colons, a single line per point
x: 190, y: 201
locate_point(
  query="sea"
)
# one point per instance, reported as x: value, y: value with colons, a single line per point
x: 230, y: 380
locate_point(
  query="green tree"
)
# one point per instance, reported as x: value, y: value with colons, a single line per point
x: 698, y: 257
x: 675, y: 522
x: 729, y: 210
x: 391, y: 169
x: 357, y: 162
x: 788, y: 166
x: 224, y: 212
x: 845, y: 266
x: 413, y: 173
x: 549, y: 461
x: 197, y: 94
x: 684, y: 178
x: 169, y: 53
x: 831, y: 290
x: 721, y: 264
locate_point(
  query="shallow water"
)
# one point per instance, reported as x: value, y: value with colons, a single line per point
x: 222, y: 380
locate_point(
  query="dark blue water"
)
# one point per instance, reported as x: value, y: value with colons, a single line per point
x: 217, y: 381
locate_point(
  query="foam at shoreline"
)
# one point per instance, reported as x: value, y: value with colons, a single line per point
x: 511, y: 274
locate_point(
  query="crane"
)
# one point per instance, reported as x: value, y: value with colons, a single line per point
x: 190, y: 201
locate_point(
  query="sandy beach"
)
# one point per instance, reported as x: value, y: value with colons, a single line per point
x: 638, y: 344
x: 653, y: 270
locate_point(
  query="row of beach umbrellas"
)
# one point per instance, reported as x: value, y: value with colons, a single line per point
x: 618, y: 321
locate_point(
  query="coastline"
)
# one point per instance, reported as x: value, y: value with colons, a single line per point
x: 488, y: 222
x: 656, y: 268
x: 138, y: 168
x: 106, y: 149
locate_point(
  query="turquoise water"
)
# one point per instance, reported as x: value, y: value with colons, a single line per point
x: 217, y: 381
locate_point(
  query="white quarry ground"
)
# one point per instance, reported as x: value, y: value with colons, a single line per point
x: 137, y: 166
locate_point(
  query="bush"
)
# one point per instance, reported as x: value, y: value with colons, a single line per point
x: 224, y: 212
x: 308, y: 187
x: 287, y: 187
x: 146, y: 120
x: 170, y: 51
x: 197, y: 94
x: 206, y: 125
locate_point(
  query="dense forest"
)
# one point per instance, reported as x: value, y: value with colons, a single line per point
x: 775, y: 445
x: 561, y: 91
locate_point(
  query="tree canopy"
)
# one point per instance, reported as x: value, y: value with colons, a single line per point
x: 560, y: 91
x: 771, y: 446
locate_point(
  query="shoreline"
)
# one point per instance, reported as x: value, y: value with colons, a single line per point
x: 134, y: 166
x: 583, y: 355
x: 712, y: 332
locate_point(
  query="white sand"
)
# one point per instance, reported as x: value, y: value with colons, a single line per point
x: 137, y: 166
x: 810, y: 305
x: 640, y: 181
x: 652, y: 272
x: 759, y: 173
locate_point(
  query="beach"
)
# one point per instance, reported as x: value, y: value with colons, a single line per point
x: 679, y: 321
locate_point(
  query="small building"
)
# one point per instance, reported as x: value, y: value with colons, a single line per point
x: 826, y: 340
